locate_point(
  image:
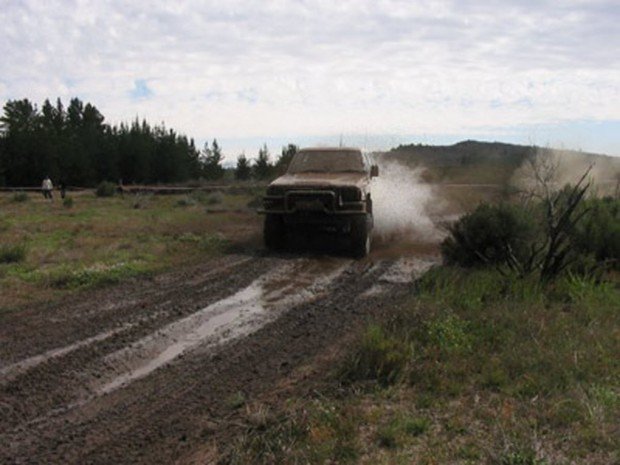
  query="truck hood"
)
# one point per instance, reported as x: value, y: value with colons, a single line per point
x: 323, y: 180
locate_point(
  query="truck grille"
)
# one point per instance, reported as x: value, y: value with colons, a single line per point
x: 311, y: 200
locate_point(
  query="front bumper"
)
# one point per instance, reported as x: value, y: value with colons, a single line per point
x: 310, y: 202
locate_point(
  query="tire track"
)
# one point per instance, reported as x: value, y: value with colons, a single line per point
x: 61, y: 376
x: 156, y: 416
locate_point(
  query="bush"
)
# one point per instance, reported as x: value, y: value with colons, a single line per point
x: 12, y: 253
x: 105, y: 189
x: 20, y: 197
x: 199, y: 196
x: 599, y: 232
x: 67, y: 202
x: 490, y: 235
x: 185, y: 201
x: 215, y: 198
x: 142, y: 201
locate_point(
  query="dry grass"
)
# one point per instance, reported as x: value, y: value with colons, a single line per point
x: 106, y: 240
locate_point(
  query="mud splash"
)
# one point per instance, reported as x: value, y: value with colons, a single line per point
x: 402, y: 203
x: 232, y: 317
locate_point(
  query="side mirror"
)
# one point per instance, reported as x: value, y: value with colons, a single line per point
x: 374, y: 171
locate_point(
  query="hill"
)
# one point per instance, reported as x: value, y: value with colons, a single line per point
x: 495, y: 162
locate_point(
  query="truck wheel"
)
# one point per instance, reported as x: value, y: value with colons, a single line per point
x: 273, y: 232
x: 360, y: 236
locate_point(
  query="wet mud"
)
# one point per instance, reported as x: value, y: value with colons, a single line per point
x: 143, y: 372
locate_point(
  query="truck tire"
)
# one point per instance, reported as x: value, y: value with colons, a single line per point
x: 361, y: 228
x: 273, y: 232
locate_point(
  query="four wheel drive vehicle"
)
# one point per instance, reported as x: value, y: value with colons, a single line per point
x: 324, y: 189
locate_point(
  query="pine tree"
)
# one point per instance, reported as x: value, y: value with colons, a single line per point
x: 285, y: 158
x: 213, y: 169
x: 76, y: 146
x: 263, y: 169
x: 243, y: 170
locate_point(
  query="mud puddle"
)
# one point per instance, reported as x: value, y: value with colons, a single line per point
x: 232, y: 317
x: 402, y: 271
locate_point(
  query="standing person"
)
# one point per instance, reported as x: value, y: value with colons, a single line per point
x: 47, y: 187
x: 63, y: 189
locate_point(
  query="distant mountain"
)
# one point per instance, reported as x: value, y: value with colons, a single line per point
x: 493, y: 162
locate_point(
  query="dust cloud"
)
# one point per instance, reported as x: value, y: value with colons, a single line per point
x: 561, y: 167
x: 402, y: 203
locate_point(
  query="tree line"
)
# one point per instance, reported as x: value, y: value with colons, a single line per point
x: 75, y: 146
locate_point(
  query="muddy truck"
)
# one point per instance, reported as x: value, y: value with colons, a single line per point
x: 323, y: 190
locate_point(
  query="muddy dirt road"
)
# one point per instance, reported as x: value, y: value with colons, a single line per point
x: 145, y: 372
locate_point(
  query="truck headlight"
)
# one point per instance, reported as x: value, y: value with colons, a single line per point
x: 350, y: 194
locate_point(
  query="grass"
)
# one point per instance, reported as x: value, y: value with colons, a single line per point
x: 473, y: 368
x: 12, y: 253
x: 313, y: 432
x: 51, y: 248
x: 20, y: 197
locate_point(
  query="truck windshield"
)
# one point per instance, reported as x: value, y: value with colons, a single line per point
x: 327, y: 161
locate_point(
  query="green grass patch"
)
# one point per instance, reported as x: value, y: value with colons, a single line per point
x: 318, y: 432
x: 475, y: 367
x: 66, y: 247
x: 92, y: 276
x: 380, y: 356
x: 397, y: 431
x: 12, y: 253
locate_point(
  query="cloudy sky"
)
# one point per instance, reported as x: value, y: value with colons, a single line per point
x: 374, y: 72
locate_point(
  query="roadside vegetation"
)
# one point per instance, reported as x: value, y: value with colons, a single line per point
x: 50, y: 248
x: 474, y: 368
x: 507, y: 354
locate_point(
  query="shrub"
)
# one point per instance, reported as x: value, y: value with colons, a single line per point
x: 12, y: 253
x: 215, y: 198
x: 67, y: 202
x: 490, y: 235
x: 559, y: 233
x: 142, y: 201
x: 599, y: 232
x: 105, y: 189
x: 199, y: 196
x: 185, y: 201
x: 20, y: 197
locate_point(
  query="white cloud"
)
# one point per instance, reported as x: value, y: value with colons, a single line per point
x: 260, y: 68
